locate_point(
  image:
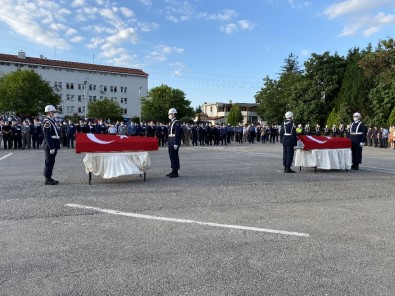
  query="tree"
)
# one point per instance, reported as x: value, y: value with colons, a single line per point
x: 160, y: 99
x: 105, y: 109
x: 198, y: 109
x: 26, y: 93
x: 271, y: 103
x: 235, y: 117
x: 380, y: 65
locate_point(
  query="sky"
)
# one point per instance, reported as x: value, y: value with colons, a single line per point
x: 212, y: 50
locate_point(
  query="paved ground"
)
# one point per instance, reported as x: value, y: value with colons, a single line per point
x: 336, y: 229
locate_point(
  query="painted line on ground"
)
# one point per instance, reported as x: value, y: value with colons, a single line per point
x: 175, y: 220
x: 5, y: 156
x: 380, y: 170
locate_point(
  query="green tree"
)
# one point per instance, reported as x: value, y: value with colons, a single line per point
x: 271, y: 103
x: 354, y: 91
x: 105, y: 109
x: 25, y: 93
x: 198, y: 109
x: 235, y: 117
x: 380, y: 65
x: 160, y: 99
x: 326, y: 74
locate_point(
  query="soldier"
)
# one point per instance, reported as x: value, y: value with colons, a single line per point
x: 289, y: 141
x: 36, y: 133
x: 174, y: 143
x: 357, y: 136
x: 70, y: 134
x: 317, y: 130
x: 334, y: 131
x: 51, y: 144
x: 7, y: 135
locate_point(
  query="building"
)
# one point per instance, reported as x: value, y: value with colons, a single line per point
x: 80, y: 83
x: 217, y: 113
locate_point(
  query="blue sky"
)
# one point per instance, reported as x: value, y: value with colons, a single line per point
x: 213, y: 50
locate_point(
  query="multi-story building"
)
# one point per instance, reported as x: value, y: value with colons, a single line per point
x: 80, y: 83
x: 218, y: 112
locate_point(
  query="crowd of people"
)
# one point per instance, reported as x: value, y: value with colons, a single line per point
x: 17, y: 133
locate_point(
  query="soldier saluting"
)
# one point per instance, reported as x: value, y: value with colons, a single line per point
x: 51, y: 144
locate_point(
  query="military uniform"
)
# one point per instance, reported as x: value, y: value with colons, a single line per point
x: 174, y: 139
x: 289, y: 141
x: 357, y: 135
x: 51, y: 142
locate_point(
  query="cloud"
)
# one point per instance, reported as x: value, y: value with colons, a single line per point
x: 361, y: 16
x: 299, y: 4
x: 161, y: 53
x: 35, y: 20
x: 178, y: 69
x: 240, y: 25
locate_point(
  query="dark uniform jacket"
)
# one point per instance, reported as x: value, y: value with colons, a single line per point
x: 175, y: 133
x: 288, y: 133
x: 51, y: 134
x: 357, y: 132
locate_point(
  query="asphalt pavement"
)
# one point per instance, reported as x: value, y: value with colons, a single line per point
x: 232, y: 224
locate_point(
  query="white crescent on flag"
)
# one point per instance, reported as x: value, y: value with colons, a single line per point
x: 93, y: 138
x: 315, y: 140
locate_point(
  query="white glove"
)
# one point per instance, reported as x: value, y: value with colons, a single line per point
x: 361, y: 144
x: 52, y: 151
x: 175, y: 147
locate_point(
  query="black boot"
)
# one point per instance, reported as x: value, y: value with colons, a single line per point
x: 174, y: 174
x: 289, y: 170
x: 169, y: 174
x: 50, y: 182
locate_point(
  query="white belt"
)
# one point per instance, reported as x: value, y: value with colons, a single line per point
x: 172, y: 135
x: 287, y: 134
x: 55, y: 137
x: 356, y: 133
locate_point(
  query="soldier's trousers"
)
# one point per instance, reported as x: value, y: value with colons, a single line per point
x: 288, y: 155
x: 49, y: 163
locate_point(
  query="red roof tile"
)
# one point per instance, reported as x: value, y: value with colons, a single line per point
x: 71, y: 65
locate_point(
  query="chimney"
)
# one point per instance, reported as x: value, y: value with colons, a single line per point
x: 21, y: 55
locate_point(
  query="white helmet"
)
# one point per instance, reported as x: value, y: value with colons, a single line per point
x: 289, y: 114
x: 357, y: 114
x: 50, y: 108
x: 172, y: 111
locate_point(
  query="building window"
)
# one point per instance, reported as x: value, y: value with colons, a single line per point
x: 124, y: 100
x: 72, y: 97
x: 60, y: 109
x: 211, y: 109
x: 68, y: 110
x: 92, y: 86
x: 68, y: 97
x: 125, y: 111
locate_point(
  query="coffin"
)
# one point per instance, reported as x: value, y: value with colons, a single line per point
x: 317, y: 142
x: 113, y: 143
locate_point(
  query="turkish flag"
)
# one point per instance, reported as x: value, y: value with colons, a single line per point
x: 319, y: 142
x: 112, y: 143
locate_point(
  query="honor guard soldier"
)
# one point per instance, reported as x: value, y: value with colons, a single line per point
x: 357, y: 135
x: 174, y: 142
x: 289, y: 141
x: 51, y: 144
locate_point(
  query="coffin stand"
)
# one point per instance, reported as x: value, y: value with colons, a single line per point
x: 110, y: 156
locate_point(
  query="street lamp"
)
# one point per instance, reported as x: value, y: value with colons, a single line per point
x: 86, y: 99
x: 140, y: 101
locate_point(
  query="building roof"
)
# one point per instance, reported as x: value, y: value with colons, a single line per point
x: 229, y: 103
x: 23, y: 59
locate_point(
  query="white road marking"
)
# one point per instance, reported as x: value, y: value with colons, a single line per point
x: 134, y: 215
x: 5, y: 156
x: 379, y: 170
